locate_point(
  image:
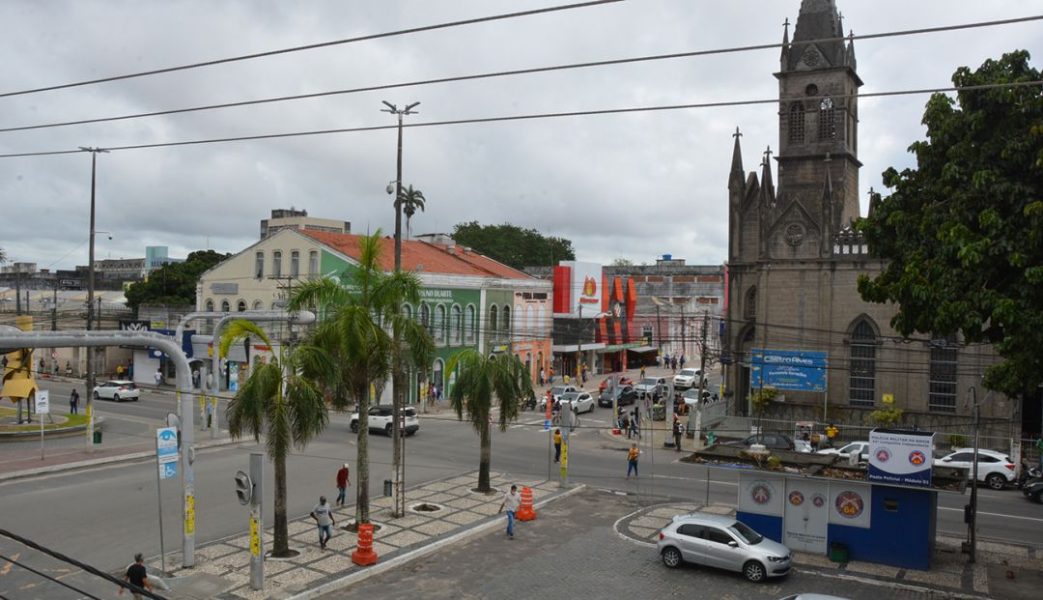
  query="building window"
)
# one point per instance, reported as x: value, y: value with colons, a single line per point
x: 258, y: 305
x: 407, y: 311
x: 796, y: 123
x: 439, y: 324
x: 295, y: 264
x: 507, y: 320
x: 456, y: 324
x: 646, y: 333
x: 225, y: 307
x: 425, y: 317
x: 492, y: 320
x: 313, y: 263
x: 862, y: 376
x: 259, y: 265
x: 749, y: 305
x: 471, y: 323
x: 827, y: 126
x: 942, y: 375
x: 277, y: 264
x: 209, y: 306
x: 241, y: 306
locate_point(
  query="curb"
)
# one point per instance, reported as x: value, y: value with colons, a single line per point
x: 419, y: 552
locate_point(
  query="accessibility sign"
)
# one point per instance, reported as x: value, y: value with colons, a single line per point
x: 168, y: 470
x: 166, y: 452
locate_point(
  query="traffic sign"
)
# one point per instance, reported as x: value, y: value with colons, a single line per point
x: 167, y: 470
x: 166, y: 445
x: 43, y: 402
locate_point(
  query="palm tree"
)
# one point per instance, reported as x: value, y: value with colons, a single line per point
x: 281, y: 401
x: 359, y: 314
x: 411, y: 200
x: 480, y: 378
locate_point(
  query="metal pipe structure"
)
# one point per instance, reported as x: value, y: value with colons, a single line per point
x: 142, y: 339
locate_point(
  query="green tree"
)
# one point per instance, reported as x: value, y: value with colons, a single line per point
x: 359, y: 315
x: 281, y: 401
x: 411, y: 200
x: 512, y: 245
x: 480, y: 381
x: 963, y: 231
x: 173, y: 283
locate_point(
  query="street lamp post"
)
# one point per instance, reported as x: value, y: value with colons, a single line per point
x: 398, y: 442
x: 90, y: 301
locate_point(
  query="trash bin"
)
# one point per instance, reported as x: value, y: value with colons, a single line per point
x: 387, y: 487
x: 97, y: 436
x: 658, y: 412
x: 838, y: 552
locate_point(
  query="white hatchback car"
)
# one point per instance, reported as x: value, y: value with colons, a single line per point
x: 845, y: 452
x: 581, y: 401
x: 995, y: 469
x: 117, y: 390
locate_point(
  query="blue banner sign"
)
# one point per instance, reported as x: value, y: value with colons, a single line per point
x: 795, y: 370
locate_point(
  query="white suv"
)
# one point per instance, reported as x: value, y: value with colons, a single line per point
x: 994, y: 468
x: 687, y: 378
x: 380, y: 420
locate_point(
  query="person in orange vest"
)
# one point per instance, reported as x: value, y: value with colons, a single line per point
x: 632, y: 456
x: 557, y: 445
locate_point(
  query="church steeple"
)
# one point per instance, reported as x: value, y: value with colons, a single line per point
x: 737, y: 178
x: 819, y: 22
x: 767, y: 183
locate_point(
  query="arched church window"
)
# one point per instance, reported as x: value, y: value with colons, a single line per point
x: 862, y: 374
x: 749, y: 305
x: 827, y: 126
x: 796, y: 123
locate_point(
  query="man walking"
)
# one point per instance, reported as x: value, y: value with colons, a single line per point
x: 323, y: 515
x: 74, y: 402
x: 635, y: 423
x: 632, y: 455
x: 158, y: 376
x: 511, y: 500
x: 678, y: 430
x: 343, y: 481
x: 557, y: 445
x: 138, y: 576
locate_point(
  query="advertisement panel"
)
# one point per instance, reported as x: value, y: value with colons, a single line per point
x: 796, y: 370
x: 761, y: 494
x: 584, y: 289
x: 900, y: 457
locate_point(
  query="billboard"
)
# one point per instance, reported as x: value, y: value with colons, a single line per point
x: 577, y: 284
x: 900, y: 457
x: 795, y: 370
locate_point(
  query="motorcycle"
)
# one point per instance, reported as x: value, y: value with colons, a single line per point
x: 1033, y: 489
x: 530, y: 402
x: 1029, y: 475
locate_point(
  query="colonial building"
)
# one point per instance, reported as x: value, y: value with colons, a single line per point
x: 795, y: 320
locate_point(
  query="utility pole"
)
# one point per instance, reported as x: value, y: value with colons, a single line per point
x: 694, y: 424
x: 54, y: 307
x: 90, y: 301
x: 659, y: 328
x: 397, y: 391
x: 684, y: 344
x: 579, y: 346
x: 970, y: 512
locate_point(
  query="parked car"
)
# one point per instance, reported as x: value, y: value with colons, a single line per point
x: 687, y: 378
x: 380, y: 420
x: 582, y: 401
x: 773, y: 441
x: 722, y: 542
x: 117, y: 390
x: 994, y: 468
x: 556, y: 393
x: 1033, y: 490
x: 650, y: 386
x: 623, y: 395
x: 623, y: 380
x: 845, y: 452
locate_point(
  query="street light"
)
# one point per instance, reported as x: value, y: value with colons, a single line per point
x: 394, y: 110
x: 90, y: 300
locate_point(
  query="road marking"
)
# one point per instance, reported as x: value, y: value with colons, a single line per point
x: 991, y: 514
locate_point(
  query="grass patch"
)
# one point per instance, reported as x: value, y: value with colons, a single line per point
x: 62, y: 421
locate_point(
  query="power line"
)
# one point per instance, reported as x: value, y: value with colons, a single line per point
x: 48, y: 577
x: 496, y: 74
x: 374, y: 36
x: 525, y: 117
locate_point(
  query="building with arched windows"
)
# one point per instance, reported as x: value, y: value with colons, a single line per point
x: 795, y: 320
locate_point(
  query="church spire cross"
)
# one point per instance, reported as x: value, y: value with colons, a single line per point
x: 737, y: 134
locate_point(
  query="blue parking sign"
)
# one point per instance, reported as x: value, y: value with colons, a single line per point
x: 168, y: 470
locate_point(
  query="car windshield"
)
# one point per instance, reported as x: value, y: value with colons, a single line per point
x: 568, y: 396
x: 694, y: 394
x: 649, y: 381
x: 743, y: 531
x: 688, y: 372
x: 557, y: 390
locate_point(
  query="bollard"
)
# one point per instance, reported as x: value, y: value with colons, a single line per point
x: 364, y: 554
x: 526, y: 512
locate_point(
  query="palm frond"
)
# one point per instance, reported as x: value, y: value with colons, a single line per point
x: 238, y: 330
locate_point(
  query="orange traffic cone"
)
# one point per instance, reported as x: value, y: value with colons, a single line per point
x: 364, y: 554
x: 525, y: 511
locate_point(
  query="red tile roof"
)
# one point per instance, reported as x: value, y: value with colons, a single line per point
x: 421, y: 256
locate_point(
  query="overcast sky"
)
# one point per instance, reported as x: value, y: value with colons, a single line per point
x: 633, y: 186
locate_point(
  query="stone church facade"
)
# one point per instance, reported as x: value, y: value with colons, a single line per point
x: 794, y: 261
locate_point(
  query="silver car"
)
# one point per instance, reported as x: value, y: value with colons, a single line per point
x: 722, y: 542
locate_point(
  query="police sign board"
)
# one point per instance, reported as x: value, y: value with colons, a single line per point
x: 166, y: 451
x: 900, y: 457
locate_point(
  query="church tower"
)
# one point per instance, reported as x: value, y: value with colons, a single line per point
x: 818, y: 136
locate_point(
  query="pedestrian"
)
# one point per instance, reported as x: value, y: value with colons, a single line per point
x: 3, y: 362
x: 137, y: 575
x: 68, y: 368
x: 642, y: 371
x: 209, y: 381
x: 550, y: 376
x: 831, y: 433
x: 583, y: 372
x: 543, y: 376
x: 557, y: 445
x: 158, y: 376
x: 635, y: 424
x: 511, y: 500
x: 209, y: 413
x: 323, y: 515
x: 74, y: 402
x: 195, y: 378
x: 816, y: 439
x: 632, y: 455
x: 343, y: 481
x: 626, y: 425
x: 1039, y: 448
x: 673, y: 364
x: 677, y: 434
x: 681, y: 362
x: 119, y: 371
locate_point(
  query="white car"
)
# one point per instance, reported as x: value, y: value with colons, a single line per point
x: 651, y: 386
x: 687, y: 378
x: 380, y: 420
x: 583, y: 401
x: 117, y: 390
x: 994, y: 468
x: 845, y: 452
x: 556, y: 392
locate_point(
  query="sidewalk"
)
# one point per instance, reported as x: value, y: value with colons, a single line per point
x: 950, y: 572
x: 458, y: 514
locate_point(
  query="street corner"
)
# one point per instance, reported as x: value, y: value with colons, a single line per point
x: 642, y: 525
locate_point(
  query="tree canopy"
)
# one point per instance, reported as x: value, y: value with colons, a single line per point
x: 963, y: 231
x: 173, y: 283
x: 512, y: 245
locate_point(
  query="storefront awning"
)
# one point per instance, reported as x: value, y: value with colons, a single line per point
x: 642, y: 349
x: 575, y: 348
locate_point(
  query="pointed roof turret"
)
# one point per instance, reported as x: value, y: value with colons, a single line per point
x: 851, y: 51
x: 784, y: 58
x: 818, y: 20
x: 737, y: 177
x: 767, y: 183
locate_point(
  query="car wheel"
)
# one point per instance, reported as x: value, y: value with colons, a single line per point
x: 387, y: 430
x: 115, y: 397
x: 753, y: 571
x: 995, y: 481
x: 672, y: 557
x: 355, y: 427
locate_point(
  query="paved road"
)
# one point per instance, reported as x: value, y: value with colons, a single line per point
x: 73, y: 511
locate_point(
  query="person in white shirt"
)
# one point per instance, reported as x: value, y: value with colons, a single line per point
x: 323, y: 515
x: 511, y: 500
